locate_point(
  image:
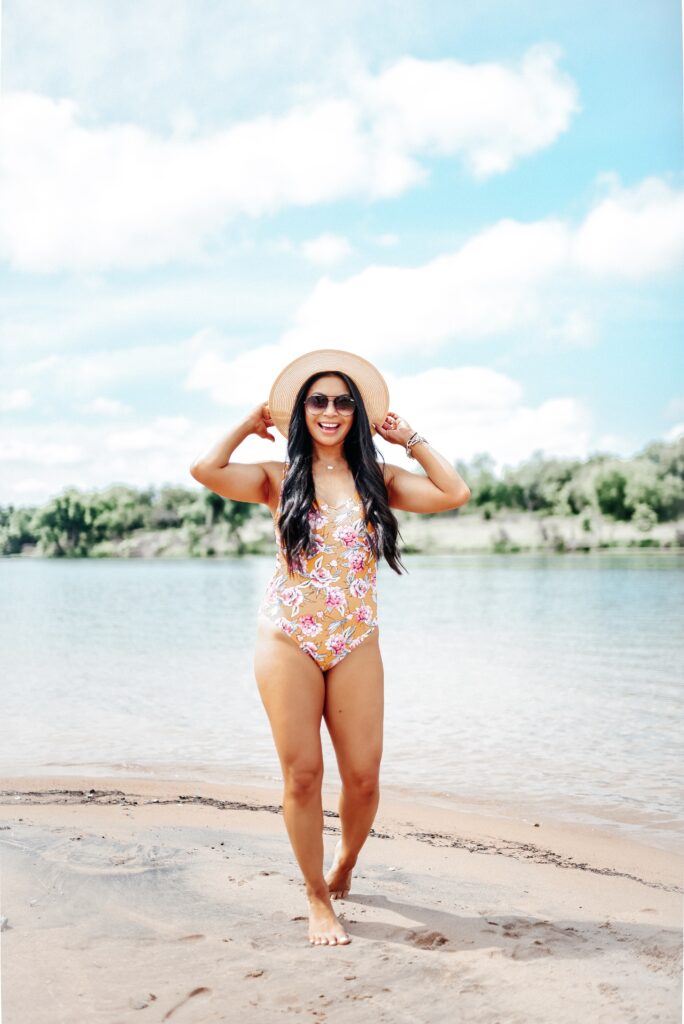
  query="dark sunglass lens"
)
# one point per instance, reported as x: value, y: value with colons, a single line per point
x: 344, y: 403
x: 317, y: 402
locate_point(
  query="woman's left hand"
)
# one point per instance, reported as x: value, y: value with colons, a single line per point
x: 395, y: 429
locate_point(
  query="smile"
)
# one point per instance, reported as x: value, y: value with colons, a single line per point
x: 329, y: 428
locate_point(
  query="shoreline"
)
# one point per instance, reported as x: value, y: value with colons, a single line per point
x: 123, y: 894
x: 519, y: 835
x: 615, y: 823
x: 469, y: 532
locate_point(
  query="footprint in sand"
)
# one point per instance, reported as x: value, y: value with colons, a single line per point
x: 427, y: 940
x: 110, y: 858
x: 545, y: 936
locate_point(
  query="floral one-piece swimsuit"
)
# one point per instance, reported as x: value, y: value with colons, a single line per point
x: 329, y: 606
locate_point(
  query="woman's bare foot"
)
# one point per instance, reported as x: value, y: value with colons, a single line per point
x: 340, y: 875
x: 324, y: 927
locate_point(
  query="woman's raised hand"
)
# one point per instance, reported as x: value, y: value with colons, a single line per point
x: 395, y: 429
x: 259, y: 419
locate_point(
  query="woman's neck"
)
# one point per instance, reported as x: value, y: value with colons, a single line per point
x: 328, y: 456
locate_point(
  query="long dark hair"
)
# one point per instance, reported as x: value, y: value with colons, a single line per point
x: 362, y: 457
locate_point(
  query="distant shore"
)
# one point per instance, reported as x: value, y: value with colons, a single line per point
x: 463, y: 532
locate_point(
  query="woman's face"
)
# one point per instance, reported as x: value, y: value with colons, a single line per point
x: 328, y: 427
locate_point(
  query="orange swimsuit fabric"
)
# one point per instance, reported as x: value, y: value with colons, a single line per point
x: 329, y: 606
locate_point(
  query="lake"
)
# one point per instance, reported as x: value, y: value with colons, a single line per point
x: 552, y: 683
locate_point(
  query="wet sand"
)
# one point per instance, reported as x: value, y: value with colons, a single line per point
x: 147, y: 900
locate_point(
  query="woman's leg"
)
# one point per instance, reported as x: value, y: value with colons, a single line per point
x: 292, y: 689
x: 353, y: 711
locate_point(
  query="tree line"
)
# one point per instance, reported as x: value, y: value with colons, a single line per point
x: 645, y: 489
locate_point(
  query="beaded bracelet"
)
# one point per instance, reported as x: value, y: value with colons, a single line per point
x: 414, y: 439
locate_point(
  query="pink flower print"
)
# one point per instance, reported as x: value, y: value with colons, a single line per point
x: 334, y: 598
x: 356, y: 560
x: 317, y: 545
x: 347, y: 535
x: 321, y: 576
x: 364, y: 613
x: 292, y: 597
x: 337, y: 644
x: 358, y: 588
x: 308, y: 647
x: 287, y: 626
x: 309, y: 626
x: 316, y: 519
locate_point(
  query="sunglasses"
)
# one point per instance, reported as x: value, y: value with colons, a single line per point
x: 344, y: 404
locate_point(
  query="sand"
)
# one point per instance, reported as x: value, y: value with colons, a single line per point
x: 145, y: 900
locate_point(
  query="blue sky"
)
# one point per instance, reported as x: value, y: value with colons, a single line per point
x: 484, y: 199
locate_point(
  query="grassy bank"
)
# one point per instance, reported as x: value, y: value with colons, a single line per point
x: 506, y: 532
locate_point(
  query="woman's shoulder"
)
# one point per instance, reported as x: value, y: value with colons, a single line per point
x: 273, y: 468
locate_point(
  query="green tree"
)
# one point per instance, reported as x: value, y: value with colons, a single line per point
x: 67, y: 525
x: 121, y: 509
x: 15, y: 529
x: 611, y: 488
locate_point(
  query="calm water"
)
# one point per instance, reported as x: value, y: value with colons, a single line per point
x: 553, y: 683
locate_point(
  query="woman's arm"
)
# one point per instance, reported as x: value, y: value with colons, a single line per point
x: 236, y: 480
x: 443, y: 488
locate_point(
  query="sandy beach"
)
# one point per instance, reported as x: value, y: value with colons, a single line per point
x: 138, y: 899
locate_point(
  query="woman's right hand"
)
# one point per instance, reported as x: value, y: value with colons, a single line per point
x: 259, y: 419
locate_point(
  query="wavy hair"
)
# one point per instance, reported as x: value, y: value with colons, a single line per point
x: 362, y: 456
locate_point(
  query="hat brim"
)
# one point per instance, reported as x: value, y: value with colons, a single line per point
x: 368, y: 379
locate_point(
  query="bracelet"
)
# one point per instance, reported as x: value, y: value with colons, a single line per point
x: 414, y: 439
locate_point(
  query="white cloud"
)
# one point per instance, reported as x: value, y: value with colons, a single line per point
x: 31, y: 490
x: 674, y: 433
x: 633, y: 232
x: 573, y: 329
x: 21, y: 447
x: 508, y: 277
x: 231, y: 381
x: 60, y: 317
x: 162, y: 434
x: 245, y: 52
x: 18, y: 398
x: 78, y: 375
x: 102, y: 406
x: 62, y: 454
x: 326, y: 250
x: 466, y: 410
x: 490, y: 285
x: 80, y: 196
x: 674, y: 408
x: 490, y: 114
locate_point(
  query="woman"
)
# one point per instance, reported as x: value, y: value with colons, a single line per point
x: 317, y: 654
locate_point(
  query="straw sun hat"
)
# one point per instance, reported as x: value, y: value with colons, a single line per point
x: 367, y: 378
